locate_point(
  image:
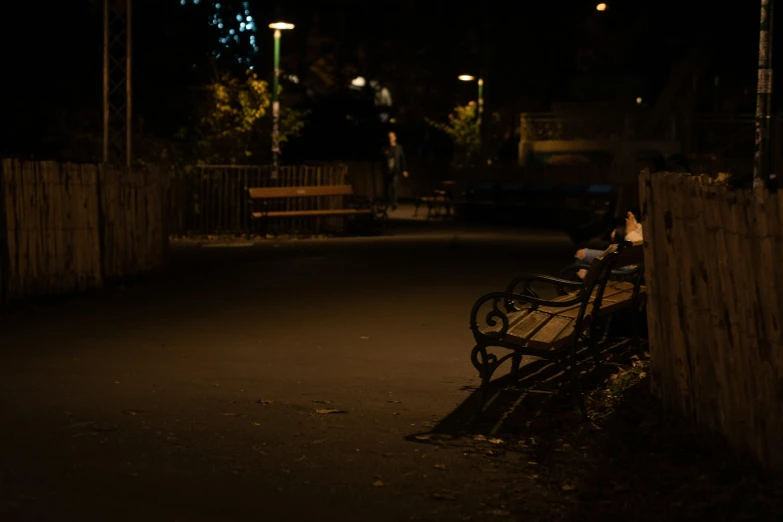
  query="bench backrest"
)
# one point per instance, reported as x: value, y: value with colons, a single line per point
x: 305, y: 191
x: 615, y: 257
x: 630, y: 255
x: 599, y: 265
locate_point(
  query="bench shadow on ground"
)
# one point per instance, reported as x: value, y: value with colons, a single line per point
x: 537, y: 398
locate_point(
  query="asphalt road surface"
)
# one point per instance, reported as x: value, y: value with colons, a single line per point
x: 208, y: 394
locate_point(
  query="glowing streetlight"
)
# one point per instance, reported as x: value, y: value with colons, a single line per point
x: 466, y: 77
x: 277, y: 26
x: 638, y: 101
x: 601, y: 7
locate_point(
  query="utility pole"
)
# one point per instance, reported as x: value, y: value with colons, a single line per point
x: 117, y: 86
x: 485, y: 55
x: 764, y: 99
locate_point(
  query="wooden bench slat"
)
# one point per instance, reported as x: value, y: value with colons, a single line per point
x: 527, y: 327
x: 313, y: 213
x: 549, y: 327
x: 558, y: 327
x: 301, y: 191
x: 620, y: 300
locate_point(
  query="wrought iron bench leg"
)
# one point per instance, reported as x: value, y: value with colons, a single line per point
x: 516, y: 361
x: 486, y: 365
x: 594, y: 345
x: 576, y: 384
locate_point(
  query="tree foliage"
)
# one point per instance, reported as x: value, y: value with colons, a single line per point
x: 464, y: 130
x: 234, y: 123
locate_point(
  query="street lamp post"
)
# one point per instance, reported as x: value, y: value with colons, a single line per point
x: 763, y: 98
x: 469, y: 78
x: 480, y: 109
x: 278, y: 27
x: 480, y: 99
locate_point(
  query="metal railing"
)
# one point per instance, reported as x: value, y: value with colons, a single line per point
x: 213, y: 199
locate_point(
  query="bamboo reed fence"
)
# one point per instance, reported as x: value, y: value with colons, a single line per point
x: 70, y: 227
x: 713, y: 269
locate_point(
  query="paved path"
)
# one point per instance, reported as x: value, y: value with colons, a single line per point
x: 196, y: 397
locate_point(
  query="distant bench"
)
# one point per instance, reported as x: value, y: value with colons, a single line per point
x: 436, y: 201
x: 441, y: 199
x: 264, y: 197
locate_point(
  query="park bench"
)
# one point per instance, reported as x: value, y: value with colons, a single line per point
x: 555, y: 329
x: 269, y: 202
x: 438, y: 203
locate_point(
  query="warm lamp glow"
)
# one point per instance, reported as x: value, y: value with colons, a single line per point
x: 466, y: 78
x: 281, y: 26
x: 600, y: 7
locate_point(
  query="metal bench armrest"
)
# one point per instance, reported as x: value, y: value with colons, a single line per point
x: 530, y: 278
x: 497, y: 315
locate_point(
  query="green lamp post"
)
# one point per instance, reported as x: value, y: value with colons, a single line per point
x: 278, y: 27
x: 469, y: 78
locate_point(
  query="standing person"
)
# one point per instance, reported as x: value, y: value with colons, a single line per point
x: 394, y: 165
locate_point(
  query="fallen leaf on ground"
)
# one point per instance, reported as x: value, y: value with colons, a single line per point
x: 323, y: 402
x: 567, y: 487
x: 395, y: 402
x: 329, y: 410
x: 440, y: 466
x: 103, y: 428
x: 495, y: 441
x: 421, y: 437
x: 132, y: 413
x: 443, y: 496
x: 499, y: 512
x: 364, y: 338
x: 228, y: 414
x: 261, y: 401
x: 377, y: 484
x: 479, y: 437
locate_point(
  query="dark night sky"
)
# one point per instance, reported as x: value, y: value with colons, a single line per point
x: 531, y: 54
